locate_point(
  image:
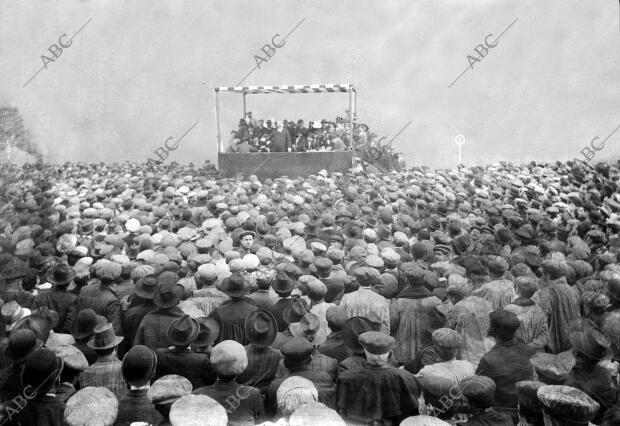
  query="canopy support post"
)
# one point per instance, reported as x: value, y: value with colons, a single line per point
x: 217, y: 120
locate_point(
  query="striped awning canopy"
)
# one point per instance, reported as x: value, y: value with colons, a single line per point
x: 299, y: 88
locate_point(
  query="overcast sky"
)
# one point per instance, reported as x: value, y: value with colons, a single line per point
x: 142, y: 71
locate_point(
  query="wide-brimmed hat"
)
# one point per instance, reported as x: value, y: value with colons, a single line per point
x: 146, y: 287
x: 183, y: 331
x: 60, y: 274
x: 168, y: 295
x: 21, y: 344
x: 104, y: 337
x: 235, y: 286
x: 84, y: 324
x: 209, y: 331
x: 261, y: 328
x: 283, y: 283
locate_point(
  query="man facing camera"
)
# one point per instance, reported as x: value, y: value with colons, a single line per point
x: 280, y: 139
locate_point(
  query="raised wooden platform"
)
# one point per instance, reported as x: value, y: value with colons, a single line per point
x: 291, y: 164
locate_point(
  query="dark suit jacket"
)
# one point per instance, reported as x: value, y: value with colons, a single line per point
x: 135, y: 407
x: 64, y: 303
x: 334, y: 347
x: 193, y: 366
x: 280, y: 141
x: 277, y: 309
x: 507, y: 363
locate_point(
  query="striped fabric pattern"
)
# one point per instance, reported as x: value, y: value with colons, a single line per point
x: 299, y: 88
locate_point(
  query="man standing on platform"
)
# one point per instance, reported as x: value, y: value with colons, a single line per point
x: 280, y: 139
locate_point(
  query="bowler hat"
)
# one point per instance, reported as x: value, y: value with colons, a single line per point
x: 183, y: 331
x: 283, y: 283
x: 41, y: 370
x: 261, y: 328
x: 235, y: 285
x: 139, y: 365
x: 21, y: 344
x: 84, y: 324
x: 104, y: 337
x: 60, y: 274
x: 168, y: 295
x: 146, y: 287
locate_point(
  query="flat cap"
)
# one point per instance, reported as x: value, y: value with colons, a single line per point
x: 366, y: 276
x: 91, y: 406
x: 568, y: 404
x: 376, y: 342
x: 297, y: 349
x: 169, y: 388
x: 190, y: 410
x: 479, y: 389
x: 229, y: 358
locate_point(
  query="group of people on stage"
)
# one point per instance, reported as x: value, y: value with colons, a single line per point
x: 479, y: 296
x: 290, y: 136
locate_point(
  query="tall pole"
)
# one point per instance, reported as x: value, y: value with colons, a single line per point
x: 350, y: 116
x: 244, y: 110
x: 460, y: 140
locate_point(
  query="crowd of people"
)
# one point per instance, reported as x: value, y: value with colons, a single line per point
x: 152, y: 294
x: 290, y: 136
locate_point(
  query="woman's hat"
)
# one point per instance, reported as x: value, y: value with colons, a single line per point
x: 261, y: 328
x: 104, y: 337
